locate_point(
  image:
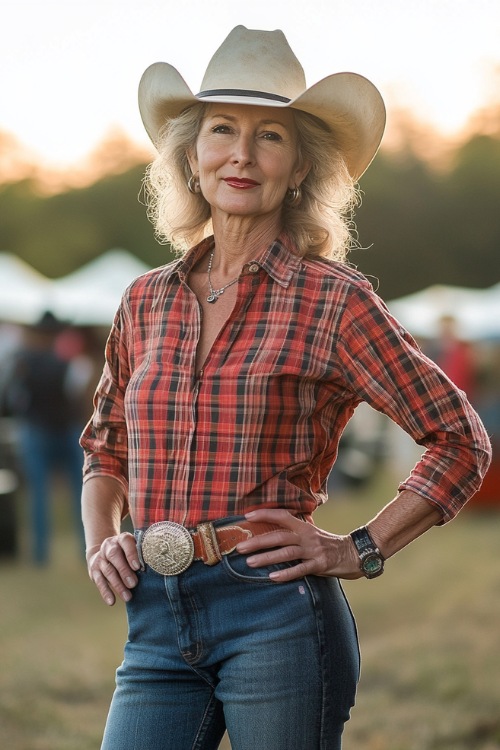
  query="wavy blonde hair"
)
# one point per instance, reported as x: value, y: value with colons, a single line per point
x: 321, y: 225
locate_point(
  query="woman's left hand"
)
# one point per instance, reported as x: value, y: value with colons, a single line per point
x: 316, y: 551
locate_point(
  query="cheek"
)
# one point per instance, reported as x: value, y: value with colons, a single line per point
x: 210, y: 157
x: 280, y: 168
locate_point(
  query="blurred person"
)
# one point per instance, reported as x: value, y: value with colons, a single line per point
x: 40, y: 398
x: 230, y: 376
x: 454, y: 355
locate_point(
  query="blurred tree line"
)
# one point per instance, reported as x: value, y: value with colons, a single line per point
x: 420, y: 224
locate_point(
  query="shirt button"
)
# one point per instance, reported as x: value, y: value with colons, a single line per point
x: 253, y: 268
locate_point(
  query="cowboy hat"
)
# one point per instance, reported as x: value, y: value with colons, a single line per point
x: 259, y: 68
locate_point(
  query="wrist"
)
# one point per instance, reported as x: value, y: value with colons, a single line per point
x: 91, y: 551
x: 371, y: 560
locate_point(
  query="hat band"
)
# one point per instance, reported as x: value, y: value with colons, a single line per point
x: 243, y: 92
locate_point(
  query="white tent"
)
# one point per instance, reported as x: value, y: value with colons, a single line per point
x: 476, y: 311
x: 24, y: 292
x: 88, y: 296
x: 91, y: 295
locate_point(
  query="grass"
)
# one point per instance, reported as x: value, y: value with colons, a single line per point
x: 429, y: 631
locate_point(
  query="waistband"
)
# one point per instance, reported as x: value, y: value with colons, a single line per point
x: 169, y: 548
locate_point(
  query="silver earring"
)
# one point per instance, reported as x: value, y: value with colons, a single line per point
x: 194, y: 185
x: 294, y: 196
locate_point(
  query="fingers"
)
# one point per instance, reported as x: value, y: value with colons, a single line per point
x: 275, y: 515
x: 315, y: 551
x: 112, y: 567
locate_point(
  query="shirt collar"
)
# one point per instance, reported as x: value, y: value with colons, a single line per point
x: 279, y: 260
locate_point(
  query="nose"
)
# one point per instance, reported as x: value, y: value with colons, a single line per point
x: 243, y: 151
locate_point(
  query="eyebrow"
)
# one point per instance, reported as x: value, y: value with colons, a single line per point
x: 232, y: 118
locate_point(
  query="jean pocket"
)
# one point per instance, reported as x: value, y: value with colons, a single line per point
x: 236, y: 566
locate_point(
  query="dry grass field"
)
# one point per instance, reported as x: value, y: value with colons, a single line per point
x: 429, y: 631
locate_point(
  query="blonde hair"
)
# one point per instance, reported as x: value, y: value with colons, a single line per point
x: 321, y: 225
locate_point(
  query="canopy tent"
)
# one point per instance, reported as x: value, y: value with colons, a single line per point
x: 476, y: 311
x: 88, y: 296
x: 23, y: 291
x: 91, y: 295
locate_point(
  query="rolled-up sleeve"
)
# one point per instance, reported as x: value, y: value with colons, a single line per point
x: 384, y: 366
x: 104, y: 439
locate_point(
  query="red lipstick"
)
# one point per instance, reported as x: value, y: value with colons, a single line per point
x: 243, y: 183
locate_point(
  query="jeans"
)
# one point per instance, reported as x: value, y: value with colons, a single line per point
x: 224, y: 647
x: 44, y: 449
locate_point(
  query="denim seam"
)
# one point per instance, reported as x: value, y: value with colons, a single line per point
x: 320, y: 629
x: 200, y: 734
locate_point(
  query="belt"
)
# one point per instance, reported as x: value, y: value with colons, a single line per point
x: 169, y: 548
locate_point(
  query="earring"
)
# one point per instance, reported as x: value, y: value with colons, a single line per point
x: 294, y: 196
x: 193, y: 185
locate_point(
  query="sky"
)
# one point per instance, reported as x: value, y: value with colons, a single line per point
x: 69, y: 69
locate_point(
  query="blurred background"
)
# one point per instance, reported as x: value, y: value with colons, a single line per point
x: 73, y: 234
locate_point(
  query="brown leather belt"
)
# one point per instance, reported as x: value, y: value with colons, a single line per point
x: 169, y: 548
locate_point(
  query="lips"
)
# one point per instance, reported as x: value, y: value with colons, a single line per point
x: 242, y: 183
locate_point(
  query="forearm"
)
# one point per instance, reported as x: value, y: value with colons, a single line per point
x: 111, y: 556
x: 103, y: 505
x: 401, y: 521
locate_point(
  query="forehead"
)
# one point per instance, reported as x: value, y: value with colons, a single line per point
x: 252, y: 114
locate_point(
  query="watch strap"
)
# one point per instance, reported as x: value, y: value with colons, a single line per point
x: 363, y: 541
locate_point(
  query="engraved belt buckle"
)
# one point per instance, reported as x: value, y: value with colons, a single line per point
x: 167, y: 548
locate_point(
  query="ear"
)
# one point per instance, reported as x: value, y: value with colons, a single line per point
x: 300, y: 174
x: 192, y: 159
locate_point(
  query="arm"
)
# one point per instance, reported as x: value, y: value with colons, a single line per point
x: 111, y: 556
x: 383, y: 366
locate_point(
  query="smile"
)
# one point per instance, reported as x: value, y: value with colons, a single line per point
x: 240, y: 183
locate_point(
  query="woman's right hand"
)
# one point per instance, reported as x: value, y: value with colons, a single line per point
x: 112, y: 566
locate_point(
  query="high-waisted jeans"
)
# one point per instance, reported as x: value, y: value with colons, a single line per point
x: 225, y: 647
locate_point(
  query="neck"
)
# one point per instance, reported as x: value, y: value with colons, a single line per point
x: 240, y: 239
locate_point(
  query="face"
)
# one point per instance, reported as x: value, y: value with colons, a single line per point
x: 246, y: 158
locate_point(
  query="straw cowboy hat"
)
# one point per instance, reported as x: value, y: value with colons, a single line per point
x: 259, y: 68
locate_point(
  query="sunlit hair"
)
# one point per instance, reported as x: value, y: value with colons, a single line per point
x: 320, y: 225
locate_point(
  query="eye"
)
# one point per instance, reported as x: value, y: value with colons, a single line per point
x: 221, y: 129
x: 271, y: 135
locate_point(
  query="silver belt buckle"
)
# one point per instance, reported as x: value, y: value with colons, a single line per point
x: 167, y: 548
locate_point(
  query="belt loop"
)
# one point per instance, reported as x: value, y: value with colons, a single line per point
x: 138, y: 535
x: 210, y: 543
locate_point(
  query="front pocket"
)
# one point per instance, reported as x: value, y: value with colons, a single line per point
x: 235, y: 565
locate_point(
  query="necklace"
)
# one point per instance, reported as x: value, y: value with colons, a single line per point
x: 216, y: 293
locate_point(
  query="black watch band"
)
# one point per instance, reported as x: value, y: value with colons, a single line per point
x: 371, y: 559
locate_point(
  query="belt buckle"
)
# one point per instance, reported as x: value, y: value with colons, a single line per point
x: 167, y: 548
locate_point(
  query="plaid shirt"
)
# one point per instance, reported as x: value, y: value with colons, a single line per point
x: 307, y: 340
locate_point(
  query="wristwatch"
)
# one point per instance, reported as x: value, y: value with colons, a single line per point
x: 371, y: 559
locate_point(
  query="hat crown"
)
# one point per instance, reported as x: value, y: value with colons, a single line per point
x: 253, y: 60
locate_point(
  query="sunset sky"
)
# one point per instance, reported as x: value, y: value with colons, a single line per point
x: 69, y: 69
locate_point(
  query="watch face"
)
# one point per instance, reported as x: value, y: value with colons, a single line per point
x: 373, y: 565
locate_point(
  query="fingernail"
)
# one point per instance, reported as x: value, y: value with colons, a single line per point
x: 250, y: 514
x: 126, y: 596
x: 135, y: 564
x: 129, y: 581
x: 109, y: 600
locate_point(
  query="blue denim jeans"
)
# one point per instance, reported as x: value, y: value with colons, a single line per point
x: 43, y: 450
x: 225, y: 647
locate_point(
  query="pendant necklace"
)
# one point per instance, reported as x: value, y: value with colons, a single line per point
x: 216, y: 293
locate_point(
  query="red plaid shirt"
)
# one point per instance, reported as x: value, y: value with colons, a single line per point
x: 307, y: 340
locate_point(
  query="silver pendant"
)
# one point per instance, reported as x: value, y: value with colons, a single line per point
x: 212, y: 298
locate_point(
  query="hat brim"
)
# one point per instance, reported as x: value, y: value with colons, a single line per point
x: 348, y: 103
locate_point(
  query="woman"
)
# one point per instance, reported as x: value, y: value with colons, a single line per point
x: 230, y: 376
